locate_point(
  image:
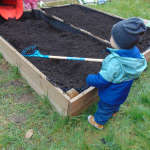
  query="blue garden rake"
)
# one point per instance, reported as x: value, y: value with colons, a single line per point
x: 32, y: 51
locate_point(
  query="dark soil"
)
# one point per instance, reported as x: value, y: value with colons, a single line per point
x: 98, y: 24
x: 50, y: 41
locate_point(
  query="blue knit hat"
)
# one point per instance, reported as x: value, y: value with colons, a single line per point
x: 128, y: 33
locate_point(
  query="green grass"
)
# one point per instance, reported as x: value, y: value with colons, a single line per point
x: 122, y: 8
x: 22, y: 109
x: 127, y: 8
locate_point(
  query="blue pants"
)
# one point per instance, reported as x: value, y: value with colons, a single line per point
x: 104, y: 112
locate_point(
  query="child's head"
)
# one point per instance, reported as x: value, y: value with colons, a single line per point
x: 127, y: 33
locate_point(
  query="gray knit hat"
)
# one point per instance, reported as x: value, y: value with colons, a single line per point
x: 128, y: 33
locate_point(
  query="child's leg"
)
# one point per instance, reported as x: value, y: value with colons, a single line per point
x: 34, y: 5
x: 102, y: 115
x: 104, y: 112
x: 115, y: 111
x: 27, y: 6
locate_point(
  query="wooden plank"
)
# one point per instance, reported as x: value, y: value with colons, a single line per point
x: 72, y: 93
x: 82, y: 101
x: 89, y: 33
x: 36, y: 79
x: 147, y: 55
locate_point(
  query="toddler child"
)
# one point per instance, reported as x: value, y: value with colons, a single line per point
x: 119, y: 69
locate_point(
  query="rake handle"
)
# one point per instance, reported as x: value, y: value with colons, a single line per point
x: 38, y: 54
x: 76, y: 58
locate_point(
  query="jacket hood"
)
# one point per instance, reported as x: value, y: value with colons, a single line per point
x: 133, y: 62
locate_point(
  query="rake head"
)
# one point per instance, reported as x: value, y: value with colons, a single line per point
x: 29, y: 50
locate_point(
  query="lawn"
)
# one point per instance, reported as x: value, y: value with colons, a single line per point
x: 21, y: 109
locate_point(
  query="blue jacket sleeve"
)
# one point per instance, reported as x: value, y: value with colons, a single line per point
x: 97, y: 81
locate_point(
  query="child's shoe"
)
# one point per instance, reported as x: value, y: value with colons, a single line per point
x: 93, y: 123
x: 114, y: 114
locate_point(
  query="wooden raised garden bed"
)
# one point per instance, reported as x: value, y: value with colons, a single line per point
x: 55, y: 36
